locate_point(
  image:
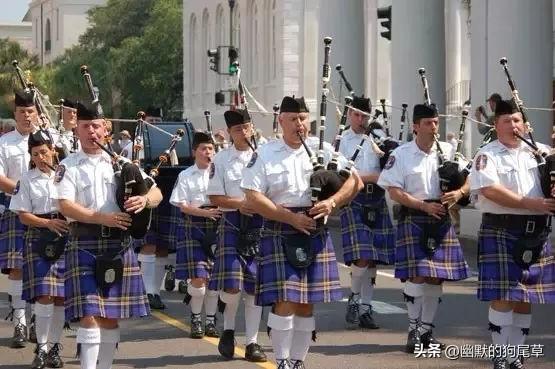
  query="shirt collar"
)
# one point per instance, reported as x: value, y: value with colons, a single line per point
x: 36, y: 173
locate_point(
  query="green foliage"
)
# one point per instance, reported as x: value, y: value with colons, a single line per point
x: 134, y: 52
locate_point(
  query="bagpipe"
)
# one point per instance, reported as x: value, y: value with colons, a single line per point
x: 382, y: 142
x: 45, y: 120
x: 546, y: 161
x: 451, y: 178
x: 208, y: 118
x: 324, y: 183
x: 129, y: 178
x: 166, y: 155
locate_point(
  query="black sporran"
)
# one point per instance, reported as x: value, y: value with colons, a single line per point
x: 298, y: 250
x: 51, y: 246
x: 209, y: 243
x: 248, y: 244
x: 108, y: 270
x: 431, y: 236
x: 528, y: 248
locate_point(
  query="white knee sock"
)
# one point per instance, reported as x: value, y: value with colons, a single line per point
x: 43, y: 321
x: 519, y: 331
x: 89, y: 340
x: 302, y: 334
x: 211, y: 303
x: 430, y: 302
x: 367, y: 289
x: 109, y: 339
x: 231, y: 305
x: 18, y: 305
x: 414, y: 295
x: 500, y: 326
x: 253, y: 314
x: 148, y: 266
x: 197, y: 298
x: 159, y: 273
x: 57, y: 326
x: 357, y: 274
x: 281, y: 334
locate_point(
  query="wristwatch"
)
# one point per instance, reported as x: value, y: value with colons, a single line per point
x: 333, y: 203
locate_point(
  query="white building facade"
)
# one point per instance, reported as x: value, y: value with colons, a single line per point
x: 20, y: 32
x: 57, y: 25
x: 459, y: 42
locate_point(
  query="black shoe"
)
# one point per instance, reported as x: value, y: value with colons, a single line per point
x: 499, y: 363
x: 19, y: 338
x: 39, y: 362
x: 226, y: 346
x: 32, y: 330
x: 517, y: 364
x: 283, y: 364
x: 298, y: 364
x: 155, y: 302
x: 428, y: 339
x: 413, y: 340
x: 367, y: 321
x: 197, y: 330
x: 352, y: 314
x: 210, y: 329
x: 53, y: 359
x: 254, y: 353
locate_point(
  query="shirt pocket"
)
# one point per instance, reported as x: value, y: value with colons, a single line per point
x: 415, y: 176
x: 85, y: 192
x: 508, y: 177
x: 278, y: 176
x: 16, y: 161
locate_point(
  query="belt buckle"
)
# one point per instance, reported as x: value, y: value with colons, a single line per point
x: 369, y: 188
x: 530, y: 226
x: 105, y: 231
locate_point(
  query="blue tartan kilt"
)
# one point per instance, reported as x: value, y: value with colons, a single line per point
x: 411, y: 260
x: 278, y: 280
x: 12, y: 241
x: 361, y: 242
x: 190, y: 259
x: 231, y: 270
x: 40, y: 277
x: 164, y: 227
x: 82, y: 295
x: 500, y: 278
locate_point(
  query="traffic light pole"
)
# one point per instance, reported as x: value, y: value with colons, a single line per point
x: 231, y: 93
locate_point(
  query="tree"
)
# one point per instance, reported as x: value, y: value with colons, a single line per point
x: 9, y: 51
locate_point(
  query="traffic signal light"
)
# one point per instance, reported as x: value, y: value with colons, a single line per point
x: 233, y: 60
x: 385, y: 13
x: 214, y: 55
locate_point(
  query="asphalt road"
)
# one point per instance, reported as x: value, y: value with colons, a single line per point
x: 161, y: 340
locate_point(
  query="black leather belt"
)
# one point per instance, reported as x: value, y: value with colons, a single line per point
x: 373, y: 189
x: 528, y: 223
x: 78, y: 229
x: 54, y: 215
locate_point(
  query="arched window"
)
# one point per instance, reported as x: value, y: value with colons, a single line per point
x: 253, y: 43
x: 221, y: 26
x: 47, y: 37
x: 192, y: 53
x: 206, y: 46
x: 237, y: 27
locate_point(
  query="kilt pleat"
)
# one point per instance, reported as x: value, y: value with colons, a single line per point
x: 82, y: 297
x: 500, y: 278
x: 447, y: 262
x: 12, y: 241
x: 361, y: 242
x: 190, y: 259
x: 164, y: 226
x: 278, y: 280
x: 231, y: 270
x: 40, y: 277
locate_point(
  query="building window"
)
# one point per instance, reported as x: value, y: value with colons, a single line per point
x: 253, y: 43
x: 48, y: 38
x: 221, y: 27
x: 192, y: 52
x: 270, y: 54
x: 58, y: 24
x: 206, y: 45
x: 237, y: 28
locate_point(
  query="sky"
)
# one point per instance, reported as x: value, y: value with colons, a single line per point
x: 13, y: 10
